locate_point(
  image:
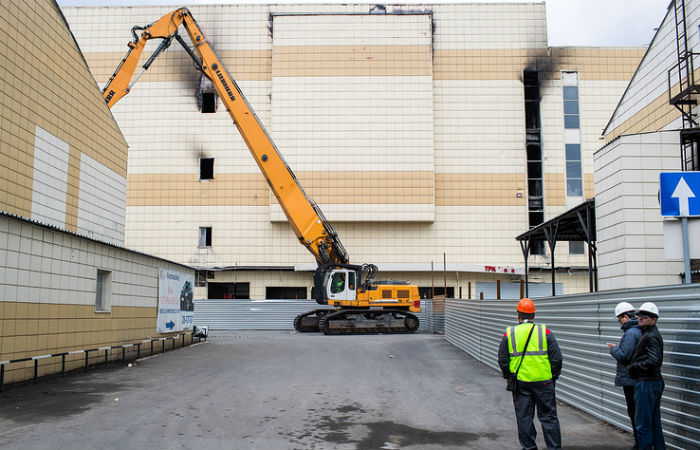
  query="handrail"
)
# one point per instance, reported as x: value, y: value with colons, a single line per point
x: 87, y: 351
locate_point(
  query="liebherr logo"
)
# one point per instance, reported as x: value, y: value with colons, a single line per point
x: 110, y: 95
x: 223, y: 81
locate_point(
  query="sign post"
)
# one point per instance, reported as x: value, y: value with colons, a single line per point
x: 679, y: 195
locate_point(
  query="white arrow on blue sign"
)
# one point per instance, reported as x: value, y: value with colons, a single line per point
x: 679, y: 193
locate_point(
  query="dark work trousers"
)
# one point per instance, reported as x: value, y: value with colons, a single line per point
x: 525, y: 399
x: 647, y: 400
x: 629, y: 398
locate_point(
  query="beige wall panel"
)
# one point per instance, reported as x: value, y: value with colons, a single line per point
x: 594, y: 64
x: 188, y: 190
x: 554, y: 190
x: 176, y: 65
x: 252, y: 190
x: 480, y: 189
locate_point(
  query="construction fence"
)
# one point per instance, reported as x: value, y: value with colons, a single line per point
x: 583, y: 325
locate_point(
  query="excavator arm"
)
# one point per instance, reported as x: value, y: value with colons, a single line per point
x: 304, y: 216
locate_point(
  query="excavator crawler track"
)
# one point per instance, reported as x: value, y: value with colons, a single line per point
x: 368, y: 321
x: 308, y: 322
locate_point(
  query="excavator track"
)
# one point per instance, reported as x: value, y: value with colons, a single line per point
x: 308, y: 322
x: 368, y: 321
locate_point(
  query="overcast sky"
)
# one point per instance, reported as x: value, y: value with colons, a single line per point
x: 570, y: 22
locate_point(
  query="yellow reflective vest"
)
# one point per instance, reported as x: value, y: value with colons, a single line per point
x: 535, y: 365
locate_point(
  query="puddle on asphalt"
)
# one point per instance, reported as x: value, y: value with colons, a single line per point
x: 52, y: 399
x: 391, y: 436
x: 345, y: 426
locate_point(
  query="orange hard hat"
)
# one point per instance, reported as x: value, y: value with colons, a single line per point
x: 526, y: 306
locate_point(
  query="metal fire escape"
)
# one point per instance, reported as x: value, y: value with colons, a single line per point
x: 683, y: 92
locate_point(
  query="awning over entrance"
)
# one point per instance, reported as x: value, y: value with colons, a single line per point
x: 577, y: 224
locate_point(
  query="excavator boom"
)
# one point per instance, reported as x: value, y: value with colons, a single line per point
x: 304, y: 216
x: 363, y: 306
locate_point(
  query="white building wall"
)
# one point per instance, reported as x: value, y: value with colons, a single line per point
x: 628, y: 215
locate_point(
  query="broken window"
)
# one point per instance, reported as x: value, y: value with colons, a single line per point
x: 206, y: 96
x: 204, y: 237
x: 206, y: 168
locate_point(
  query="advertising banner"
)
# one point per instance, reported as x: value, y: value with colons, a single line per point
x: 175, y: 305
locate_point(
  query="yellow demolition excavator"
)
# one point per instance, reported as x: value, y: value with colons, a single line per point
x: 361, y: 304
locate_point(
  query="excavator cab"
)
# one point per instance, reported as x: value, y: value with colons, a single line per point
x: 340, y: 284
x: 335, y: 282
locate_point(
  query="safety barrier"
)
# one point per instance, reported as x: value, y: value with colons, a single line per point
x: 87, y: 352
x: 279, y: 314
x: 583, y: 325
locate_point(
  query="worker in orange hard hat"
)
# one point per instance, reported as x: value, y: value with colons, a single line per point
x: 530, y: 359
x: 526, y: 306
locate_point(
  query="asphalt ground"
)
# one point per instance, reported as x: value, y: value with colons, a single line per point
x: 281, y: 390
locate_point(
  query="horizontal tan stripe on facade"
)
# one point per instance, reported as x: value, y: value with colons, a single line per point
x: 480, y: 189
x: 653, y: 117
x: 593, y: 64
x: 243, y: 65
x: 483, y: 189
x: 252, y: 189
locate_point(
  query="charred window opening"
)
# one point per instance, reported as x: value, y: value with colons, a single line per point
x: 206, y: 96
x: 533, y: 148
x: 204, y: 237
x: 206, y: 168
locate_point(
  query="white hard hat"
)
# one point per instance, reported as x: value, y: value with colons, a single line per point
x: 649, y: 307
x: 623, y: 307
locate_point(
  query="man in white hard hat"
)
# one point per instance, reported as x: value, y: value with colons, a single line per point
x: 645, y: 370
x: 624, y: 313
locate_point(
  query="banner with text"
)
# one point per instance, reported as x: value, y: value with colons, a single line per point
x: 175, y: 305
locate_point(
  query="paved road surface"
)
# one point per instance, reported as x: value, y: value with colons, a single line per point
x: 279, y: 390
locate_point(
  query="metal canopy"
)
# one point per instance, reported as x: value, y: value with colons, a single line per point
x: 577, y: 224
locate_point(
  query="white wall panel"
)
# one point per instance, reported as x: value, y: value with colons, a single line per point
x: 50, y: 185
x: 101, y: 202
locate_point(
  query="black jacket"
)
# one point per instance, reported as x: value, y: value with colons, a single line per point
x: 648, y: 356
x: 553, y: 352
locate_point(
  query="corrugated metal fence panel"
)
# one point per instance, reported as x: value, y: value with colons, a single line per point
x: 583, y: 324
x: 512, y: 290
x: 267, y: 314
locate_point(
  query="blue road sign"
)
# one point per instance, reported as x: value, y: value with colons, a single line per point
x: 679, y: 193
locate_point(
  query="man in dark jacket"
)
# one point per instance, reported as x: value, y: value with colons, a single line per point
x: 645, y: 369
x: 531, y: 351
x: 623, y: 352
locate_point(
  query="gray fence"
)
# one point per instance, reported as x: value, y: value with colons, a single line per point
x: 279, y: 314
x: 583, y: 324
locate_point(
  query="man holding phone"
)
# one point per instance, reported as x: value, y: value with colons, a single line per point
x: 622, y: 352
